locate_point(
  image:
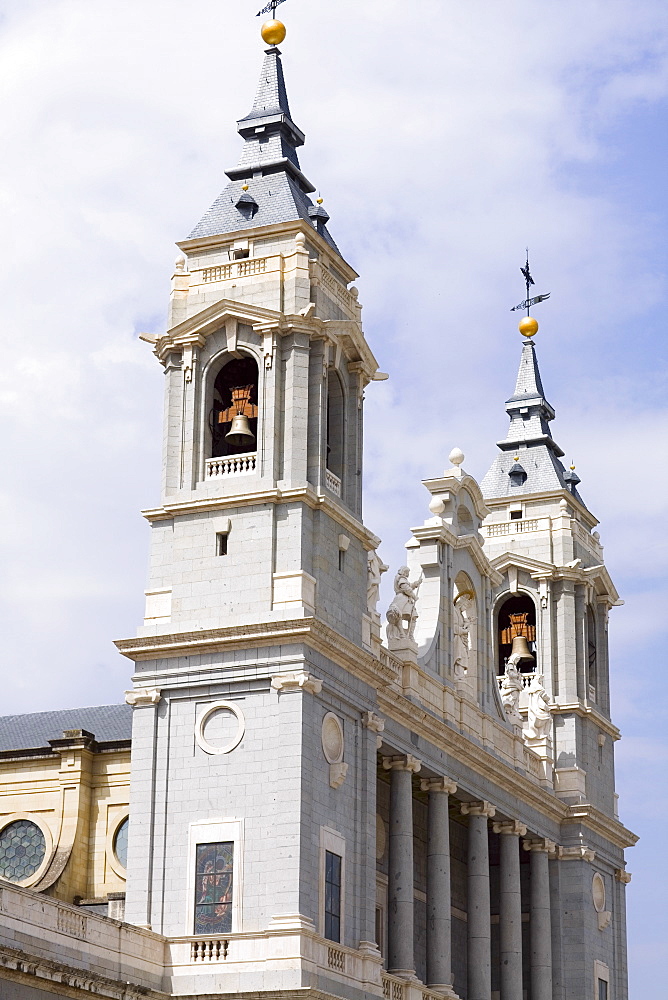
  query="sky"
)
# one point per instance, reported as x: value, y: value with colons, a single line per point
x: 444, y: 138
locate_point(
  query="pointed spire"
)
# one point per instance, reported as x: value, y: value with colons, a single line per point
x: 529, y: 459
x: 268, y: 167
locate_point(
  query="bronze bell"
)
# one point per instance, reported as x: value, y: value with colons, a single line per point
x: 521, y: 649
x: 240, y: 433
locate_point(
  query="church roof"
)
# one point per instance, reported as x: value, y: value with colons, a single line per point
x: 529, y: 461
x: 108, y: 723
x: 269, y: 166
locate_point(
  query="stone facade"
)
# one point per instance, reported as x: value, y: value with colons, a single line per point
x: 407, y: 819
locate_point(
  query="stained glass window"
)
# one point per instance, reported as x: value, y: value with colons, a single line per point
x: 22, y: 850
x: 332, y: 896
x: 213, y: 888
x: 121, y: 842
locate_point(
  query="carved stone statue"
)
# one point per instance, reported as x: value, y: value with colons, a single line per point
x: 539, y: 718
x: 511, y: 688
x: 402, y: 608
x: 375, y: 568
x: 464, y: 619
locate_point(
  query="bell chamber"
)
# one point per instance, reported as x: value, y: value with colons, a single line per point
x: 234, y: 411
x: 516, y: 633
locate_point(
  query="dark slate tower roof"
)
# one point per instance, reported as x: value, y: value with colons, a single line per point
x: 529, y: 459
x: 277, y: 189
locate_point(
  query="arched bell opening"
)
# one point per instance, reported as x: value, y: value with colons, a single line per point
x: 335, y: 424
x: 516, y: 633
x: 234, y: 411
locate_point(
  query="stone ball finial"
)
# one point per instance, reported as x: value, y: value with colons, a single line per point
x: 300, y: 241
x: 456, y: 456
x: 180, y: 263
x: 436, y: 505
x: 354, y: 291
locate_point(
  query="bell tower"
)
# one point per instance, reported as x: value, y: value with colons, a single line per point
x: 258, y: 561
x: 265, y: 365
x: 551, y: 610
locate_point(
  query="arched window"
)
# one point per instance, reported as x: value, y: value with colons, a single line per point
x: 592, y: 666
x: 335, y: 424
x: 233, y: 415
x: 517, y: 625
x: 121, y: 842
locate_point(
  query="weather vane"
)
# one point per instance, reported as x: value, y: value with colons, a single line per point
x: 270, y: 8
x: 528, y: 301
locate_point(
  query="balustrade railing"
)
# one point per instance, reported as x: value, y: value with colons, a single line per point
x: 332, y: 482
x: 211, y: 950
x: 512, y: 527
x: 231, y: 465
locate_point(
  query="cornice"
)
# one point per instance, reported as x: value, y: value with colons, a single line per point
x: 494, y: 502
x: 597, y: 821
x: 278, y: 229
x: 315, y: 501
x: 443, y: 533
x: 586, y: 711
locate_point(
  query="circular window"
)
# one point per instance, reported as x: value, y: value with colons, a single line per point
x: 224, y: 721
x: 22, y: 850
x: 121, y: 842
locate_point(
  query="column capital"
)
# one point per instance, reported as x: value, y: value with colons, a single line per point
x: 438, y: 785
x: 300, y: 680
x: 577, y: 853
x: 402, y: 762
x: 510, y: 826
x: 373, y: 722
x: 539, y: 844
x: 622, y: 876
x: 477, y: 808
x: 142, y: 696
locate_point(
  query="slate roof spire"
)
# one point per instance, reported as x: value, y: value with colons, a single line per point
x: 529, y: 459
x: 268, y: 167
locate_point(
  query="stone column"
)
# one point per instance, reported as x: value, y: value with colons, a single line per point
x: 400, y: 895
x: 541, y: 924
x: 510, y: 909
x: 479, y: 938
x: 439, y: 942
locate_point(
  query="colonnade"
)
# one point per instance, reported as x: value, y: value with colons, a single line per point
x: 400, y: 917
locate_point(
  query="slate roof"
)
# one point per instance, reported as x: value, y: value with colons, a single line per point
x: 24, y: 732
x: 268, y: 164
x: 529, y: 436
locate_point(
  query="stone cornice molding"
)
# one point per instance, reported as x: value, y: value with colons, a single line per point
x: 541, y: 845
x: 478, y: 807
x: 555, y: 495
x: 451, y: 482
x: 623, y: 876
x: 402, y: 762
x: 138, y: 697
x: 443, y: 533
x: 586, y: 711
x: 577, y: 853
x: 300, y: 680
x: 510, y: 826
x: 438, y: 785
x: 316, y: 501
x: 604, y: 826
x: 373, y: 722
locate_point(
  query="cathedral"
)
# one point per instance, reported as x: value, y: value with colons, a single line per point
x: 304, y: 793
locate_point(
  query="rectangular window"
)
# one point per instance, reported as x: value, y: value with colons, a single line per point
x: 221, y: 543
x: 602, y: 990
x: 516, y: 515
x: 213, y: 888
x: 342, y: 560
x: 332, y: 896
x: 379, y: 929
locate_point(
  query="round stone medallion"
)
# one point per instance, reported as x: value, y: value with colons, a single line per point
x: 598, y: 892
x: 332, y: 738
x: 220, y: 727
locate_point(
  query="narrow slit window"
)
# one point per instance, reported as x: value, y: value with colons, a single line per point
x: 342, y: 559
x: 332, y: 896
x: 602, y: 990
x: 214, y: 871
x: 221, y: 543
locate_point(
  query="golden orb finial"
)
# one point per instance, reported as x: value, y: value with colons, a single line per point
x: 273, y: 32
x: 572, y: 466
x: 319, y: 200
x: 528, y: 326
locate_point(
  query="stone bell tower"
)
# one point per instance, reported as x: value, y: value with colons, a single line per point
x: 556, y: 593
x: 258, y: 574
